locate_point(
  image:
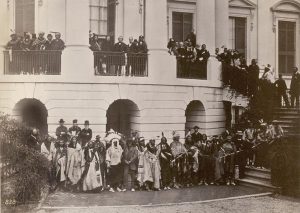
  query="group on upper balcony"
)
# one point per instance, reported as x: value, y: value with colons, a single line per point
x: 119, y: 59
x: 30, y: 54
x: 191, y: 59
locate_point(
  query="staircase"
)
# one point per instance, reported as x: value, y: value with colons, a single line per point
x: 259, y: 178
x: 289, y: 120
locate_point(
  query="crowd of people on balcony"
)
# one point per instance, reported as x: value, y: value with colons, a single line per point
x: 119, y: 59
x: 31, y: 54
x: 119, y: 163
x: 29, y: 42
x: 191, y: 58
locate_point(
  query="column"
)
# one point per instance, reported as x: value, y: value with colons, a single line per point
x: 77, y: 58
x: 133, y: 19
x: 119, y: 19
x: 205, y: 23
x: 206, y: 34
x: 5, y: 9
x: 161, y: 65
x: 222, y: 20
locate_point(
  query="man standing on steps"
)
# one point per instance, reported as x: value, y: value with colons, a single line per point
x: 281, y: 91
x: 295, y: 87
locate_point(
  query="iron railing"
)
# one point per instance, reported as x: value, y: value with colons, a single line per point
x: 32, y: 62
x: 187, y: 68
x: 120, y: 64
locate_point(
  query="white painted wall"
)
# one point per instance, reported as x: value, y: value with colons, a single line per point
x: 161, y: 107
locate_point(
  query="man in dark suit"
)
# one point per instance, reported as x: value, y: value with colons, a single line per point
x: 119, y: 60
x: 86, y: 134
x: 202, y: 58
x: 75, y: 129
x: 295, y: 87
x: 62, y: 131
x: 253, y: 78
x: 281, y: 91
x: 58, y: 44
x: 225, y: 58
x: 196, y: 135
x: 132, y: 49
x: 32, y: 141
x: 192, y: 37
x: 181, y: 60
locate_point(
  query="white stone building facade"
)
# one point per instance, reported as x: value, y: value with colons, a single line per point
x: 159, y: 101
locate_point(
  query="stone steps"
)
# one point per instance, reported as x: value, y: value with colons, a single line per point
x: 258, y: 178
x: 289, y: 120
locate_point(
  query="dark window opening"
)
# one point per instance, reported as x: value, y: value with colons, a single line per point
x: 182, y: 25
x: 286, y: 46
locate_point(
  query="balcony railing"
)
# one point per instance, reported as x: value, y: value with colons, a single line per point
x: 187, y: 68
x: 120, y: 64
x: 32, y: 62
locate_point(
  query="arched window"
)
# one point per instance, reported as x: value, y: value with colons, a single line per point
x: 24, y: 16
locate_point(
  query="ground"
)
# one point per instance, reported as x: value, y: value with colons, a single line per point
x: 197, y: 199
x: 255, y: 205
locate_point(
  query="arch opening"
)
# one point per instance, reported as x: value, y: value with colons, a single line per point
x: 32, y: 113
x: 123, y: 116
x: 195, y: 115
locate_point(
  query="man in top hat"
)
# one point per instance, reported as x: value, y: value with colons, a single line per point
x: 62, y: 131
x: 75, y: 129
x: 86, y: 134
x: 196, y: 135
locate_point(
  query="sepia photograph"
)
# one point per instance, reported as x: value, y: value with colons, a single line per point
x: 150, y: 106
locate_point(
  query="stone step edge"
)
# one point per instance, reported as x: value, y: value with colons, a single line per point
x: 259, y: 176
x: 268, y: 171
x: 257, y: 183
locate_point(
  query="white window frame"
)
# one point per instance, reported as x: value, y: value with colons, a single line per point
x: 180, y: 8
x: 290, y: 18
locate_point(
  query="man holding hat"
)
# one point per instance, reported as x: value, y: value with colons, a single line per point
x: 75, y: 129
x: 62, y: 131
x: 196, y: 135
x: 86, y: 134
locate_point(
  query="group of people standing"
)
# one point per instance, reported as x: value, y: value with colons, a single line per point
x: 191, y: 58
x: 235, y: 70
x: 116, y: 163
x: 31, y: 54
x: 119, y: 59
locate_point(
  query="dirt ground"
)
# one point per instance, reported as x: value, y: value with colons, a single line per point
x: 268, y: 204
